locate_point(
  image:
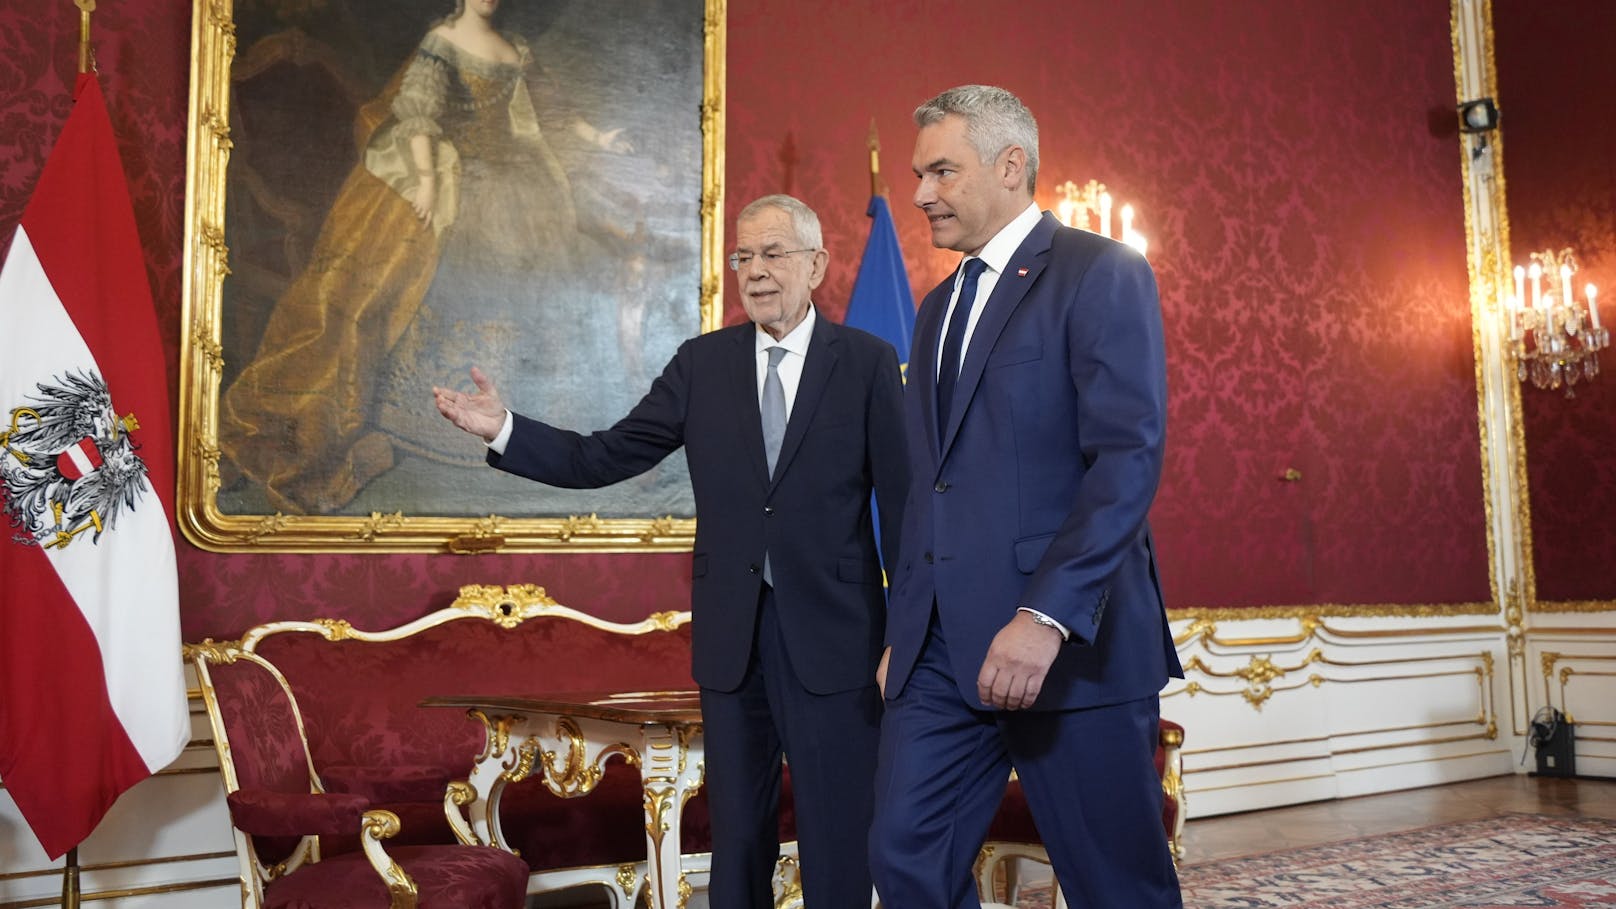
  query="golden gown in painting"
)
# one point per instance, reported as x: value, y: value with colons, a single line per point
x: 340, y: 386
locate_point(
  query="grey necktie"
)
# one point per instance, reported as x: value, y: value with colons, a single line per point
x: 774, y: 408
x: 774, y: 426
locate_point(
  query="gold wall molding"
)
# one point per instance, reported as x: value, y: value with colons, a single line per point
x: 1551, y: 606
x: 1332, y: 610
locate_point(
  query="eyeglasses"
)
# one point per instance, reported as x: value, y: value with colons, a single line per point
x: 771, y: 257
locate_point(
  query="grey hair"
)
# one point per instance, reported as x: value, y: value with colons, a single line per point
x: 994, y: 118
x: 803, y: 219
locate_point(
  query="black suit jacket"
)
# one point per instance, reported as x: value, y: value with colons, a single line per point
x: 813, y: 517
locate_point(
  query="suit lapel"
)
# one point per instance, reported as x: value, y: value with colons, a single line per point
x: 923, y: 355
x: 1032, y: 255
x: 816, y: 369
x: 743, y: 379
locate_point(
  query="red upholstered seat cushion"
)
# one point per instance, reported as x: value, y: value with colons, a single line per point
x: 447, y: 877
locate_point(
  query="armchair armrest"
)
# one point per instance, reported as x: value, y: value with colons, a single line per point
x: 376, y: 826
x: 265, y: 812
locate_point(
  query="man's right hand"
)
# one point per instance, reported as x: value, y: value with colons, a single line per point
x: 481, y: 414
x: 881, y: 671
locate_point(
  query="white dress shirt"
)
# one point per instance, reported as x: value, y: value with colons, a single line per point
x: 796, y: 344
x: 996, y: 254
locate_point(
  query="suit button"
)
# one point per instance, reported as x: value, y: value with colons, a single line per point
x: 753, y: 569
x: 940, y: 487
x: 768, y: 509
x: 928, y: 558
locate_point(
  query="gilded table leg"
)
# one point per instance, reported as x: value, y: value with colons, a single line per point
x: 671, y: 771
x: 507, y: 757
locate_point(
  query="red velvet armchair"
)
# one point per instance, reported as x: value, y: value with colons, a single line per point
x: 279, y: 809
x: 1013, y: 836
x: 366, y: 735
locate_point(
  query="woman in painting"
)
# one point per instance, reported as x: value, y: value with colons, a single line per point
x: 429, y: 260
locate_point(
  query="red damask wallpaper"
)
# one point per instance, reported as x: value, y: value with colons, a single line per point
x: 1306, y: 225
x: 1305, y: 219
x: 1560, y: 180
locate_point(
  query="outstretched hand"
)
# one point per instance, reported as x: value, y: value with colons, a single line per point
x: 482, y: 414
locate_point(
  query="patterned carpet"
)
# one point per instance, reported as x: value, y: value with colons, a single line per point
x: 1510, y: 861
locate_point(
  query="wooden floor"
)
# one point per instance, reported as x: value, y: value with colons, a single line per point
x: 1234, y: 835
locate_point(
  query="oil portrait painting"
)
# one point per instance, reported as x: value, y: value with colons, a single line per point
x: 415, y: 187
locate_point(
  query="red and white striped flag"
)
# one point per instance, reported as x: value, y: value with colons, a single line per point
x: 92, y: 695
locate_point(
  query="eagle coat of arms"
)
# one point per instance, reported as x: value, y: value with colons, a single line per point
x: 68, y: 463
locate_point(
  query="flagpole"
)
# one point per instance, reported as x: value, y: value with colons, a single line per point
x: 70, y: 868
x: 874, y: 142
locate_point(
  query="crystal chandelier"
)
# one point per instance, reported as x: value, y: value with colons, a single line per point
x: 1556, y: 339
x: 1089, y: 207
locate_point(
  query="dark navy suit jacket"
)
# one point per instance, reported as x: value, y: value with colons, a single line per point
x: 1037, y: 493
x: 844, y: 438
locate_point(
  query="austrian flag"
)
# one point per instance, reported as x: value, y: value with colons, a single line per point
x: 92, y: 696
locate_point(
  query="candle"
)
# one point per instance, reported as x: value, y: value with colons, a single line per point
x: 1105, y: 214
x: 1064, y: 211
x: 1593, y: 306
x: 1566, y: 296
x: 1520, y: 286
x: 1537, y: 284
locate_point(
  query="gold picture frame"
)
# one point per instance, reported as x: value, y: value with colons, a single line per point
x: 299, y: 94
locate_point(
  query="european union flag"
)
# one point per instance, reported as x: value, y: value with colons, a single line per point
x: 882, y: 303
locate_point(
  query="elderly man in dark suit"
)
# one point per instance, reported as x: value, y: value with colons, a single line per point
x: 1026, y: 627
x: 788, y: 422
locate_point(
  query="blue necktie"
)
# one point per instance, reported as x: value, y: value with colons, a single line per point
x: 953, y: 341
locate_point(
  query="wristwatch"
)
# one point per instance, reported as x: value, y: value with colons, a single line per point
x: 1044, y: 620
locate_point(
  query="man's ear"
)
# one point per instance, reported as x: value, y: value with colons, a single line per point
x: 820, y: 266
x: 1013, y: 167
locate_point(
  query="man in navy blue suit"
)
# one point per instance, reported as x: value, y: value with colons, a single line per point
x: 1026, y: 627
x: 788, y: 422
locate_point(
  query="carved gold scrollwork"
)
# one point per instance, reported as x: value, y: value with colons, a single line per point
x: 628, y: 878
x: 376, y: 826
x: 574, y: 777
x: 664, y: 621
x: 217, y: 652
x: 497, y: 734
x: 1548, y: 659
x: 657, y: 804
x: 520, y: 765
x: 461, y: 793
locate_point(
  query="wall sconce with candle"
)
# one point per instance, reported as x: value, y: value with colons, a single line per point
x: 1089, y: 208
x: 1554, y: 337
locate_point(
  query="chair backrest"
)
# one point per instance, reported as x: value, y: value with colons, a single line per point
x: 258, y: 735
x: 360, y: 691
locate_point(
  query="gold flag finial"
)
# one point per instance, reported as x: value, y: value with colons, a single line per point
x: 86, y: 56
x: 877, y: 188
